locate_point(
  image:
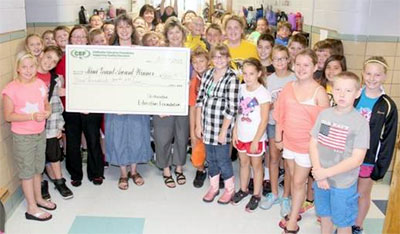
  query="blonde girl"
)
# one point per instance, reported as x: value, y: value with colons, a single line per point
x: 381, y: 113
x: 25, y: 105
x: 295, y: 112
x: 34, y: 44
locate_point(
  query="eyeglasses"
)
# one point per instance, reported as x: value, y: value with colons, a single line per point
x: 283, y: 59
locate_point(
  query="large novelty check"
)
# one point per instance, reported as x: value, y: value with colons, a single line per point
x: 136, y: 80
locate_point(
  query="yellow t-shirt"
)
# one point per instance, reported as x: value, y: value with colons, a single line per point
x: 245, y: 50
x: 192, y: 42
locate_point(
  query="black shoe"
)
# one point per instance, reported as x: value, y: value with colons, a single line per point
x: 238, y: 197
x: 76, y: 183
x: 62, y: 188
x: 97, y: 180
x: 221, y: 183
x: 199, y: 179
x: 266, y: 187
x: 45, y: 190
x: 253, y: 204
x: 356, y: 230
x: 251, y: 186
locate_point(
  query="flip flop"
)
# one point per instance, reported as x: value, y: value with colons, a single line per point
x: 46, y: 207
x: 36, y: 216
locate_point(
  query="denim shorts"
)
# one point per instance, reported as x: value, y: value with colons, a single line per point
x: 271, y: 131
x: 339, y: 204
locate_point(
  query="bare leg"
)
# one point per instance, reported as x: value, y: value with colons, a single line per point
x: 27, y: 188
x: 326, y: 225
x: 124, y: 172
x: 56, y: 169
x: 244, y: 171
x: 346, y: 230
x: 256, y: 163
x: 364, y: 202
x: 289, y: 166
x: 310, y: 193
x: 298, y: 194
x: 37, y: 179
x: 274, y: 154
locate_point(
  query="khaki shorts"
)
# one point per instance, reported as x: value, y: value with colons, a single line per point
x: 29, y: 154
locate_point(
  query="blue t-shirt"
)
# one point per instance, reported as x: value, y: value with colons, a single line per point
x: 365, y: 105
x: 282, y: 41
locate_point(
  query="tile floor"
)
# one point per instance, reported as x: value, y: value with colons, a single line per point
x: 156, y: 209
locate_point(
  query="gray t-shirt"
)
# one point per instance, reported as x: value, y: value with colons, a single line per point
x: 338, y: 135
x: 275, y: 85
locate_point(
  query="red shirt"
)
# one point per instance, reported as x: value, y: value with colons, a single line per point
x: 60, y: 70
x: 45, y: 78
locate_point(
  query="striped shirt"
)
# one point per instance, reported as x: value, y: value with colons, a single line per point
x: 218, y: 101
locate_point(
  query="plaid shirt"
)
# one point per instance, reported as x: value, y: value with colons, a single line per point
x: 55, y: 123
x: 218, y: 101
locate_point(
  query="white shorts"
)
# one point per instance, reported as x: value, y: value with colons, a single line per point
x: 302, y: 160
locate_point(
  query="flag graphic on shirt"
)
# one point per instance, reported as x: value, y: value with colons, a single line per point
x: 333, y: 136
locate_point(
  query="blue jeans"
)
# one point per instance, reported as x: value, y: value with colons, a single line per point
x: 219, y: 161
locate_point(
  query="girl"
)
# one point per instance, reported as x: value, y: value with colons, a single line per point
x: 265, y: 43
x: 139, y: 21
x: 89, y: 124
x: 48, y: 38
x: 34, y: 45
x: 187, y: 17
x: 295, y: 112
x: 249, y: 134
x: 216, y: 108
x: 334, y: 65
x: 140, y: 30
x: 25, y: 105
x: 108, y: 29
x: 168, y: 11
x: 148, y: 13
x: 55, y: 122
x: 95, y: 21
x: 213, y: 35
x: 262, y: 27
x: 381, y: 112
x: 275, y: 84
x: 151, y: 39
x: 127, y: 136
x: 172, y: 128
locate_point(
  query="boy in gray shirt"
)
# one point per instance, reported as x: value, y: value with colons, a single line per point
x: 340, y: 139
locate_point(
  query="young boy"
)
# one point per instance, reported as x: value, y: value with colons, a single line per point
x: 324, y: 50
x: 340, y: 139
x: 200, y: 62
x: 55, y: 122
x: 283, y: 32
x: 213, y: 35
x: 296, y: 44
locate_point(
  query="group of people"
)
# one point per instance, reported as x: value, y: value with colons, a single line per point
x: 279, y: 104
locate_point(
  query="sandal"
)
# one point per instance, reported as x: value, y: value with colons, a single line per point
x: 282, y: 223
x: 137, y: 179
x: 285, y: 230
x: 47, y: 207
x: 123, y: 183
x: 180, y: 178
x: 169, y: 181
x: 37, y: 216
